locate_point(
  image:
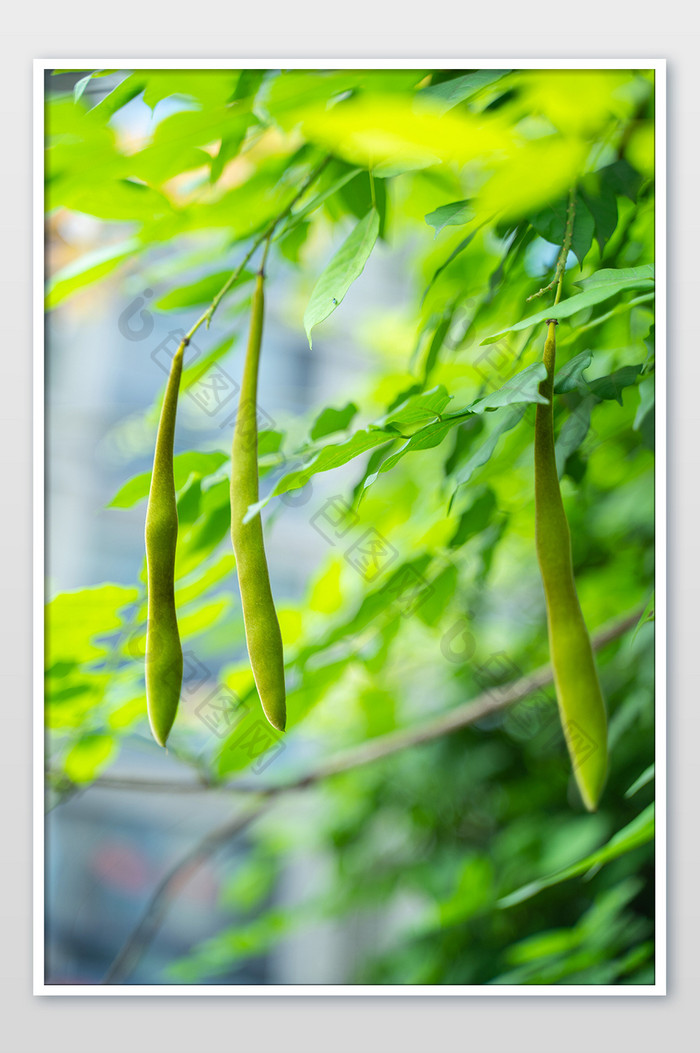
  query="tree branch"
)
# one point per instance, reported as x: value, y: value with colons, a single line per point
x: 384, y: 745
x: 178, y: 875
x: 356, y: 757
x: 267, y: 233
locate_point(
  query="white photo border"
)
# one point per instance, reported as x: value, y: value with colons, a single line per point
x: 658, y: 988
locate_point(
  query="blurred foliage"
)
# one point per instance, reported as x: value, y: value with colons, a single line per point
x: 469, y: 859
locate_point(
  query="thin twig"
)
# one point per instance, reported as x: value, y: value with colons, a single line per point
x: 266, y: 234
x: 178, y: 875
x: 564, y: 253
x: 383, y: 745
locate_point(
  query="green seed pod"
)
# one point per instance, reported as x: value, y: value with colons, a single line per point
x: 581, y: 705
x: 163, y: 649
x: 262, y: 630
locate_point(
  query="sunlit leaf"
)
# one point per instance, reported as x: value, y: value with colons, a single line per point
x: 333, y: 420
x: 87, y: 270
x: 88, y: 757
x: 199, y: 292
x: 453, y: 215
x: 347, y: 265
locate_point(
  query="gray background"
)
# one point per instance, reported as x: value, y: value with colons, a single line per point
x: 363, y: 30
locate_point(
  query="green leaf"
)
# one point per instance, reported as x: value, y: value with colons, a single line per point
x: 362, y: 193
x: 622, y: 178
x: 242, y: 942
x: 473, y: 894
x: 570, y: 376
x: 602, y: 204
x: 599, y: 287
x: 455, y: 214
x: 437, y: 595
x: 87, y: 270
x: 464, y: 243
x: 123, y: 200
x: 120, y: 96
x: 425, y: 439
x: 417, y: 409
x: 401, y: 584
x: 483, y: 452
x: 347, y: 265
x: 184, y: 465
x: 189, y: 501
x: 452, y: 92
x: 333, y: 420
x: 269, y: 441
x: 523, y: 387
x: 648, y: 615
x: 75, y: 619
x: 637, y: 833
x: 212, y: 87
x: 81, y: 69
x: 612, y: 386
x: 647, y: 395
x: 436, y: 343
x: 325, y: 460
x: 230, y: 147
x: 293, y: 241
x: 300, y: 215
x: 573, y: 432
x: 393, y: 134
x: 584, y: 228
x: 200, y: 620
x: 200, y: 365
x: 645, y: 778
x: 88, y: 757
x: 179, y: 143
x: 212, y: 525
x: 614, y: 276
x: 475, y: 519
x: 200, y: 292
x: 80, y: 86
x: 199, y: 582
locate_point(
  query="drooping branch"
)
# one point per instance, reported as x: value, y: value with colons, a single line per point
x: 483, y: 705
x: 366, y: 753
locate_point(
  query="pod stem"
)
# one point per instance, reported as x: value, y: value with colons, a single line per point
x: 207, y: 316
x: 563, y: 254
x: 268, y: 240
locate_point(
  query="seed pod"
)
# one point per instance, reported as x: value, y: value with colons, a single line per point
x: 163, y: 650
x: 262, y: 630
x: 581, y: 705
